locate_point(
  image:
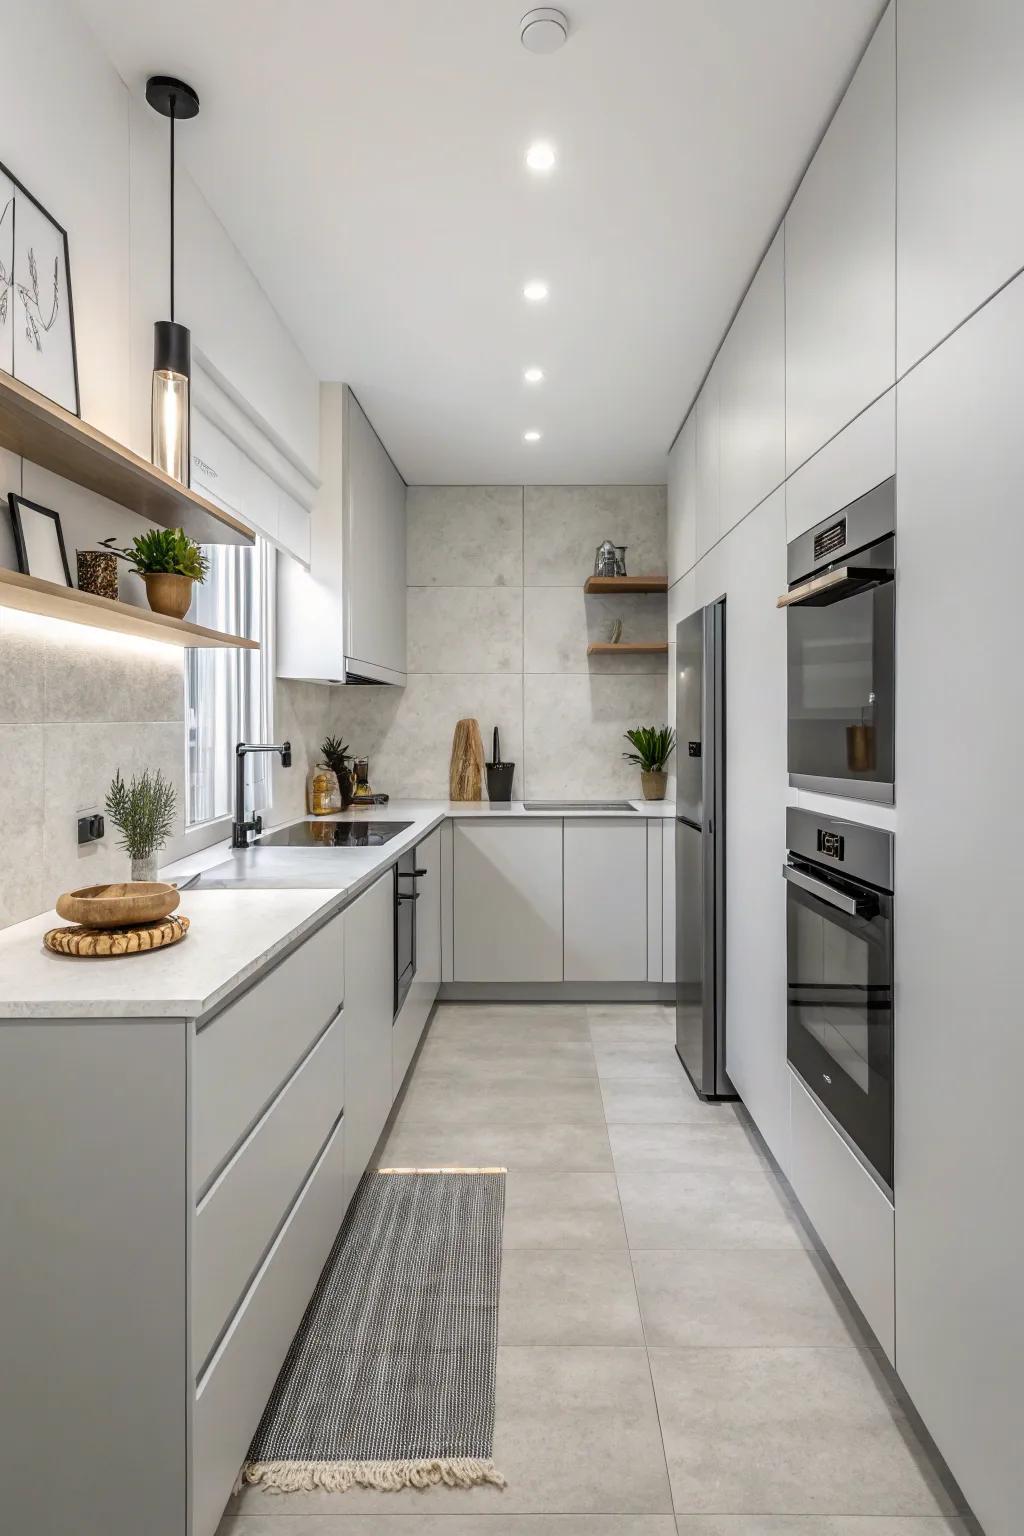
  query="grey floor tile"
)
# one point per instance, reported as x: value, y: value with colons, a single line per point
x: 555, y: 1297
x: 514, y: 1021
x: 791, y: 1431
x: 818, y: 1525
x: 562, y: 1210
x: 576, y: 1431
x: 642, y: 1061
x: 639, y: 1101
x: 448, y: 1525
x: 561, y: 1146
x: 515, y: 1097
x: 663, y: 1148
x: 472, y: 1060
x: 625, y: 1014
x: 741, y: 1297
x: 709, y: 1208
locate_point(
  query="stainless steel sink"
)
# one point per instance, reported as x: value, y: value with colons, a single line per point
x: 553, y: 807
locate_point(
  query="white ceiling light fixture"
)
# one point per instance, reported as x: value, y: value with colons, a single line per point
x: 533, y: 375
x: 544, y: 29
x: 535, y: 291
x: 532, y: 436
x: 540, y: 156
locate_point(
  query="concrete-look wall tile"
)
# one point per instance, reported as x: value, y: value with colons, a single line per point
x: 465, y: 629
x: 21, y: 816
x: 24, y: 642
x: 464, y: 536
x: 93, y: 675
x: 305, y: 713
x: 573, y: 733
x: 564, y: 524
x: 79, y: 761
x: 407, y: 732
x: 560, y: 622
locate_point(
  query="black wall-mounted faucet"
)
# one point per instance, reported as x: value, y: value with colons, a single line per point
x: 240, y: 828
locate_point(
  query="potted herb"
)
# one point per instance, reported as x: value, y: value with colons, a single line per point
x: 654, y: 746
x: 168, y: 562
x: 337, y: 757
x: 143, y: 813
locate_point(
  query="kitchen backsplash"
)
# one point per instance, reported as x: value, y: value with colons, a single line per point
x: 498, y: 627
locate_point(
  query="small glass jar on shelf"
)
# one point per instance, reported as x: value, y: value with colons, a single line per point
x: 323, y: 792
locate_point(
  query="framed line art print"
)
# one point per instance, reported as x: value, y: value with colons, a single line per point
x: 39, y: 541
x: 37, y: 320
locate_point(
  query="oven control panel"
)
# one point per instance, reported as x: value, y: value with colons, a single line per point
x: 831, y: 845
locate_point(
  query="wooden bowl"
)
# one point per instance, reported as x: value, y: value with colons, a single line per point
x: 119, y: 906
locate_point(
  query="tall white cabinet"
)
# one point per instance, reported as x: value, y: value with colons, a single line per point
x: 752, y: 395
x: 960, y: 232
x: 840, y: 234
x: 959, y: 1041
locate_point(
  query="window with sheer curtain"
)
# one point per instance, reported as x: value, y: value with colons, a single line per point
x: 229, y: 695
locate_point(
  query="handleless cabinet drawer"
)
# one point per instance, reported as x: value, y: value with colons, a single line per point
x: 237, y: 1218
x: 233, y: 1393
x: 246, y: 1052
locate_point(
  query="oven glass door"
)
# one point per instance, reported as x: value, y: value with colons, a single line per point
x: 841, y: 688
x: 840, y: 1010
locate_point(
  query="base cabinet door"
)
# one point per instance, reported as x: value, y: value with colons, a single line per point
x: 368, y: 1016
x: 508, y: 901
x: 605, y: 900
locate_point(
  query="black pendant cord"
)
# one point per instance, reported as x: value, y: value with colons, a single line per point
x: 172, y: 209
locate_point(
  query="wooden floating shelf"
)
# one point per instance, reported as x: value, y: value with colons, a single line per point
x: 595, y: 584
x: 31, y: 595
x: 629, y: 648
x: 45, y: 433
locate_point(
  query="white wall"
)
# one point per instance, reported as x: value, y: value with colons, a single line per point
x: 75, y: 704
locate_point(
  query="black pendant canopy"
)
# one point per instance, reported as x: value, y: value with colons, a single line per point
x: 172, y: 98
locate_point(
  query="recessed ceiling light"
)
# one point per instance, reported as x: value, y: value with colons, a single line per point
x: 535, y: 291
x: 540, y: 156
x: 534, y: 375
x: 533, y: 436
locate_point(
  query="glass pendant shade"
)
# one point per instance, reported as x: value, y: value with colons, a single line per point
x: 171, y: 374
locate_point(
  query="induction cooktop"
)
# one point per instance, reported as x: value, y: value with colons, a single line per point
x: 333, y: 834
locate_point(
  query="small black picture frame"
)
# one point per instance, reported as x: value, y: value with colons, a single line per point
x: 35, y: 544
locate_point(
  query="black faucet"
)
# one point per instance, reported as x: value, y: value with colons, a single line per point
x: 240, y: 828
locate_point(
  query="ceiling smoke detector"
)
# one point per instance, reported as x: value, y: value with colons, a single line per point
x: 544, y: 29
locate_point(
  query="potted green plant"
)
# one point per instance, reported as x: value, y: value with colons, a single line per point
x: 143, y: 813
x: 654, y: 746
x: 169, y: 562
x: 337, y: 757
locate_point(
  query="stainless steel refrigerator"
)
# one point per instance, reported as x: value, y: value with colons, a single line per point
x: 700, y: 850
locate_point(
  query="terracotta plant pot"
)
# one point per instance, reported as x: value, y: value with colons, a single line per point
x: 168, y: 594
x: 654, y: 783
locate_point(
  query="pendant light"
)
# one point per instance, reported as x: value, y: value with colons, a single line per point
x: 171, y: 342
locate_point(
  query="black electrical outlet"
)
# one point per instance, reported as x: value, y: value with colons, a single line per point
x: 90, y: 829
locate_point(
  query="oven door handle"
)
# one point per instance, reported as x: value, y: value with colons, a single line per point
x: 853, y: 906
x: 833, y: 586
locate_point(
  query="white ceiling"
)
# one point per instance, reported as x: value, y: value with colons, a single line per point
x: 366, y: 156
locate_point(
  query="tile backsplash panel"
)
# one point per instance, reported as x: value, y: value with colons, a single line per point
x: 498, y: 628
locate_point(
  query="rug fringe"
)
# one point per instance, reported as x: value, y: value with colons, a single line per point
x: 387, y: 1476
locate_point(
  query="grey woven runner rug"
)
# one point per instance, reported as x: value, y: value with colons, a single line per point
x: 389, y: 1382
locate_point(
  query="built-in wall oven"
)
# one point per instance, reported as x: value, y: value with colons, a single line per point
x: 839, y: 977
x: 841, y: 628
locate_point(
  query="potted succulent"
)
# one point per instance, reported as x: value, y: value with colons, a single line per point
x: 169, y: 562
x: 143, y: 813
x: 654, y: 746
x: 337, y: 757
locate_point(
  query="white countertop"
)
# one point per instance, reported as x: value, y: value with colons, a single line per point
x: 265, y: 900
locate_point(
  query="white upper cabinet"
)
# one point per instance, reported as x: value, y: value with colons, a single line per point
x: 682, y: 502
x: 707, y: 422
x: 752, y: 395
x: 854, y: 462
x: 374, y: 558
x: 840, y: 235
x: 960, y: 130
x: 605, y: 896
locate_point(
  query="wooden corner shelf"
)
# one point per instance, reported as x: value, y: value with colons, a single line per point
x: 629, y: 648
x: 31, y: 595
x: 37, y: 429
x: 596, y: 584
